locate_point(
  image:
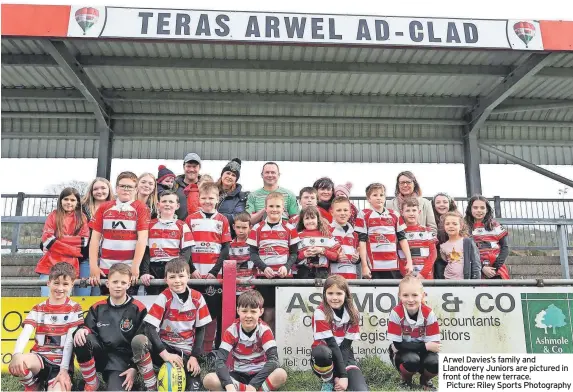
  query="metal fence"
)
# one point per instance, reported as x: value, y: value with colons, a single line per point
x: 530, y: 239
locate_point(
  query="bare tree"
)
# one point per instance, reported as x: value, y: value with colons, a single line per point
x: 55, y: 189
x: 46, y: 205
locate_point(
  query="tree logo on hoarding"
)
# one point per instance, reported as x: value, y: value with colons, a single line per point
x: 525, y: 31
x: 552, y: 317
x: 548, y: 322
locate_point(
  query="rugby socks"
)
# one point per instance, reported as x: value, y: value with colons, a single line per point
x: 267, y: 386
x: 89, y: 373
x: 426, y: 376
x: 324, y: 372
x: 405, y: 374
x: 29, y: 381
x: 145, y: 367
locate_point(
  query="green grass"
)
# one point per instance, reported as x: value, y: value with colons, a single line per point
x: 379, y: 377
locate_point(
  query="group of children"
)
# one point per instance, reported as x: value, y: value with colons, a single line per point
x: 120, y: 338
x: 128, y: 246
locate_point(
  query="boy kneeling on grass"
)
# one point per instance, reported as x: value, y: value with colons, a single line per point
x: 49, y: 365
x: 254, y: 354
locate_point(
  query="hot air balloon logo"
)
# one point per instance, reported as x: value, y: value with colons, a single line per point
x: 525, y: 31
x: 86, y: 17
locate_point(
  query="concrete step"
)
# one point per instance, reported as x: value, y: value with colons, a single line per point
x: 535, y: 260
x: 21, y: 291
x: 8, y: 260
x: 535, y: 277
x: 19, y: 271
x: 534, y: 270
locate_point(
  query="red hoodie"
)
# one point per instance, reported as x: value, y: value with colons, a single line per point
x: 64, y: 248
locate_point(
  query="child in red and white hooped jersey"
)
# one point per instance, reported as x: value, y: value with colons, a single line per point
x: 344, y: 233
x: 169, y: 238
x: 54, y: 321
x: 173, y: 329
x: 490, y: 237
x: 273, y: 245
x: 317, y: 247
x: 421, y: 240
x: 335, y: 326
x: 380, y: 230
x: 240, y: 251
x: 415, y: 335
x: 212, y: 235
x: 122, y: 227
x: 254, y: 354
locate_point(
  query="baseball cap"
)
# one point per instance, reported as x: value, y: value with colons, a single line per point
x: 192, y: 157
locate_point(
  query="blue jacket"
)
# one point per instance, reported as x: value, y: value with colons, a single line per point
x: 234, y: 202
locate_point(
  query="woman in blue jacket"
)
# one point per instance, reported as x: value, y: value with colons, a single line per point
x: 232, y: 200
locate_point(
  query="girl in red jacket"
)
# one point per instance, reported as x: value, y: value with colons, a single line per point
x: 490, y: 237
x: 317, y: 246
x: 65, y: 233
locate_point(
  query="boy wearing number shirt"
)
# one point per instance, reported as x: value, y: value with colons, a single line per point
x: 421, y: 240
x: 254, y: 355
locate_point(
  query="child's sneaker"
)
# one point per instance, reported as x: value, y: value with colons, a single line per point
x: 32, y: 388
x: 428, y: 386
x: 92, y: 387
x: 327, y: 387
x: 405, y: 385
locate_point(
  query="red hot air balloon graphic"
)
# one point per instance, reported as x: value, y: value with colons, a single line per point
x: 86, y: 18
x: 525, y: 31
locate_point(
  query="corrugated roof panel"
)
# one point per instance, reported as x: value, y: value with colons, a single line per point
x: 281, y: 109
x: 21, y: 46
x: 548, y: 88
x: 281, y: 131
x: 538, y: 115
x: 47, y: 128
x: 565, y: 61
x: 538, y: 155
x: 260, y: 150
x: 292, y: 52
x: 49, y: 148
x: 280, y: 82
x: 46, y: 105
x: 34, y: 76
x: 525, y: 134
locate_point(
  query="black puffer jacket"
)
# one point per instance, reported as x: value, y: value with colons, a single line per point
x: 233, y: 203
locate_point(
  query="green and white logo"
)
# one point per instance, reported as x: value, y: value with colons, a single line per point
x: 547, y: 320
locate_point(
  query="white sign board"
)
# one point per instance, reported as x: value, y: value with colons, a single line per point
x: 173, y: 24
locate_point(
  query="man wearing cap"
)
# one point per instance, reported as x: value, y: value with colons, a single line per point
x: 189, y: 179
x: 256, y: 199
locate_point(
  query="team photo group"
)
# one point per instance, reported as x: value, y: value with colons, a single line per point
x: 150, y: 226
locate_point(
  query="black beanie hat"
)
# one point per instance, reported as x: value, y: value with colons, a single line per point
x: 164, y: 173
x: 234, y: 166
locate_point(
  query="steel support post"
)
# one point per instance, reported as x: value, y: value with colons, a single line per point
x: 104, y: 155
x: 471, y: 163
x: 563, y: 257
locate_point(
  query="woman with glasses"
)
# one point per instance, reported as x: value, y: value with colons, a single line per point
x: 407, y: 186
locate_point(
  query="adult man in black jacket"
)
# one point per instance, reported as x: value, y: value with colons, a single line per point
x: 103, y: 343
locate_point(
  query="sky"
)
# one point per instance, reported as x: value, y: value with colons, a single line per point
x: 509, y: 181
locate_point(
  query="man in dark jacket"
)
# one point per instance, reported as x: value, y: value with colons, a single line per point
x: 191, y: 168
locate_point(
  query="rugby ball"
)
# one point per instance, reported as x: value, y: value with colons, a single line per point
x: 170, y: 378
